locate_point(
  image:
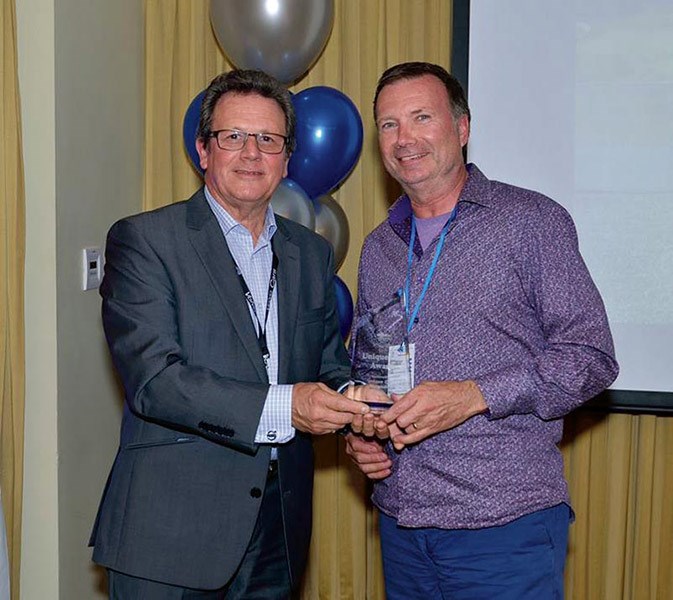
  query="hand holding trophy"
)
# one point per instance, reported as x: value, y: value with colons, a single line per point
x: 377, y: 400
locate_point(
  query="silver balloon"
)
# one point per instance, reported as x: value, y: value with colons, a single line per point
x: 331, y: 223
x: 282, y: 37
x: 291, y: 202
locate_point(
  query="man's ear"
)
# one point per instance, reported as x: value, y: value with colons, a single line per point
x: 463, y: 129
x: 203, y: 152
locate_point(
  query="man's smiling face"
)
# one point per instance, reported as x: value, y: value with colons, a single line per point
x: 419, y: 138
x: 246, y: 178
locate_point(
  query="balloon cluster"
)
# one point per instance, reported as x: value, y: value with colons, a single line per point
x: 284, y: 38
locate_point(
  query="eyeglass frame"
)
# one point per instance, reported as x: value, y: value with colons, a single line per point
x: 246, y: 135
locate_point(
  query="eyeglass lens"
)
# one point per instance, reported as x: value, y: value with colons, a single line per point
x: 232, y: 139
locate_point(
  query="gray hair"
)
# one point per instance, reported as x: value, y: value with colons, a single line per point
x: 247, y: 81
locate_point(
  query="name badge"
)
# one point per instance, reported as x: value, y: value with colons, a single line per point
x: 401, y: 368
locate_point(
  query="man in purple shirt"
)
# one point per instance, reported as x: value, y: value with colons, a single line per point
x: 504, y: 333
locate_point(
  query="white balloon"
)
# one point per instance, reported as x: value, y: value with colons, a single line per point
x: 290, y: 201
x: 331, y: 223
x: 282, y: 37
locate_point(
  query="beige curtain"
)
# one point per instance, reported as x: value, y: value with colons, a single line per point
x: 620, y: 471
x: 181, y: 57
x: 619, y: 466
x: 12, y: 252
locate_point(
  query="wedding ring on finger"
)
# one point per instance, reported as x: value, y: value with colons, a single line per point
x: 414, y: 425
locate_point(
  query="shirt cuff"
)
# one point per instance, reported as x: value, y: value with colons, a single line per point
x: 275, y: 423
x: 507, y: 392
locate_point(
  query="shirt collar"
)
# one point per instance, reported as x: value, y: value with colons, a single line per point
x: 475, y: 191
x: 228, y: 223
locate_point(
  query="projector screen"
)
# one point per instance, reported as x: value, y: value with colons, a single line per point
x: 575, y: 99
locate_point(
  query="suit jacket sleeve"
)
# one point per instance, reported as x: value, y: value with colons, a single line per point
x: 141, y: 321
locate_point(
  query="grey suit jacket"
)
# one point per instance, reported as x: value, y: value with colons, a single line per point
x: 183, y: 495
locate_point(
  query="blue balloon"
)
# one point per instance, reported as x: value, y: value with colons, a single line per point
x: 329, y: 139
x: 344, y: 302
x: 189, y: 126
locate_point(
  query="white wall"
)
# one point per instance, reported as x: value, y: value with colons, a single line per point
x: 81, y: 78
x: 35, y: 41
x: 574, y: 99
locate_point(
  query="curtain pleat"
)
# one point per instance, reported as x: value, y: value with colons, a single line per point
x: 181, y: 57
x: 12, y: 254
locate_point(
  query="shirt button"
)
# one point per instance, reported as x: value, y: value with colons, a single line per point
x: 255, y: 492
x: 271, y: 435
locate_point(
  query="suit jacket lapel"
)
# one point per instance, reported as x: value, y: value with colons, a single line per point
x: 209, y: 243
x: 288, y: 295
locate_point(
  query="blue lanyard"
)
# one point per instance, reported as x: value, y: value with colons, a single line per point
x: 411, y: 320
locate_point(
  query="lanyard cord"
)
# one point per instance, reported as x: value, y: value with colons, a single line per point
x: 261, y: 329
x: 411, y: 319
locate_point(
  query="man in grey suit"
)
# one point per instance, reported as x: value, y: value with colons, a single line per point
x: 218, y: 315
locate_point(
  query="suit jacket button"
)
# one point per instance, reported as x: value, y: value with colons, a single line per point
x: 255, y: 492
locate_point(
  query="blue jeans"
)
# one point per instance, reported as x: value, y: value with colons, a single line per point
x: 521, y: 560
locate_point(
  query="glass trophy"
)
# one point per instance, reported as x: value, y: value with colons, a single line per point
x: 379, y: 344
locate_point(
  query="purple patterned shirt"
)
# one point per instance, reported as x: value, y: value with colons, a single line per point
x: 513, y: 307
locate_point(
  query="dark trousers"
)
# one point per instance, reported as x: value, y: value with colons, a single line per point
x: 521, y: 560
x: 262, y: 575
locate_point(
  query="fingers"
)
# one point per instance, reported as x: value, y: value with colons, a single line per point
x: 357, y: 423
x: 369, y: 457
x: 410, y: 436
x: 377, y: 474
x: 396, y: 434
x: 364, y: 424
x: 317, y: 409
x: 370, y: 425
x: 410, y: 408
x: 356, y: 443
x: 401, y: 405
x: 409, y: 420
x: 381, y: 429
x: 340, y: 403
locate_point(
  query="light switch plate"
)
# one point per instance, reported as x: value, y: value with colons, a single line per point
x: 92, y: 268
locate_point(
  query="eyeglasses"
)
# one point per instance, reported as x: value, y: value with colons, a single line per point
x: 233, y: 139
